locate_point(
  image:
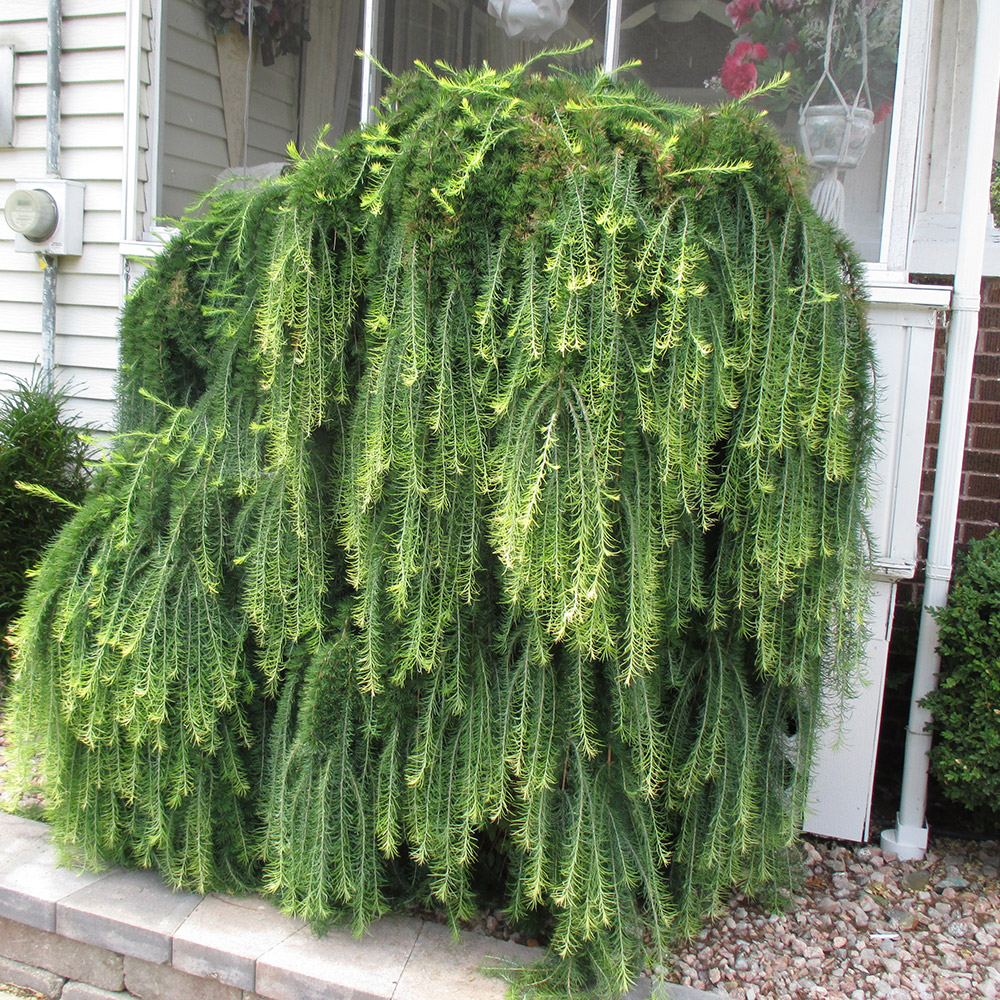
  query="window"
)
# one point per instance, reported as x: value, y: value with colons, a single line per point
x: 701, y: 51
x: 690, y: 49
x: 221, y: 108
x: 463, y: 33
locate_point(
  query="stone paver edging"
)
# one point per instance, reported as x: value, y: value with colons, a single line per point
x: 114, y: 933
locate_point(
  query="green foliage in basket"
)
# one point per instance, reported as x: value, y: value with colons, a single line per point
x: 490, y: 483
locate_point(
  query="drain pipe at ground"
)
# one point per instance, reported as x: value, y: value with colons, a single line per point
x: 909, y: 838
x: 53, y: 114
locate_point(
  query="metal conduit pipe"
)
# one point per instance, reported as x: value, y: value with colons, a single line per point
x: 369, y: 37
x: 53, y: 116
x: 612, y: 34
x: 908, y: 839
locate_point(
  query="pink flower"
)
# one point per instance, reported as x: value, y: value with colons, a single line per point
x: 750, y: 50
x: 882, y: 111
x: 738, y: 76
x: 739, y: 68
x: 741, y: 11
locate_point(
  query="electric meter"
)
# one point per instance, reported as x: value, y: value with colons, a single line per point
x: 46, y: 216
x: 32, y: 213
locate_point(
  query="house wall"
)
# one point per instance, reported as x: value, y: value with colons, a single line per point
x: 978, y: 513
x: 89, y: 286
x: 193, y: 137
x: 109, y: 105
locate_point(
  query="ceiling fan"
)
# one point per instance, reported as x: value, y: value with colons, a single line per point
x: 678, y: 12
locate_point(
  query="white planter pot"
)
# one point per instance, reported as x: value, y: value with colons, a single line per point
x: 833, y: 136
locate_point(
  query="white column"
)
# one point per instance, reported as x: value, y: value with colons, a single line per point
x: 909, y: 837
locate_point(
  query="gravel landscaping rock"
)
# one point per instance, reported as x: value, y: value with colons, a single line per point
x: 862, y: 926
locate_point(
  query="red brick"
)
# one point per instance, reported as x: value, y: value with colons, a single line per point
x: 986, y: 438
x: 982, y: 487
x: 937, y: 386
x: 987, y: 389
x: 932, y: 433
x: 970, y: 531
x: 981, y: 511
x: 989, y: 331
x: 987, y: 364
x: 985, y: 413
x: 982, y: 461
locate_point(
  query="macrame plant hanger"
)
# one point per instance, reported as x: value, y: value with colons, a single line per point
x: 828, y: 195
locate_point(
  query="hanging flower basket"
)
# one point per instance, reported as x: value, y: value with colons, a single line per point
x: 833, y: 135
x: 278, y: 26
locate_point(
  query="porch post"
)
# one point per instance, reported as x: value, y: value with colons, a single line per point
x: 909, y: 838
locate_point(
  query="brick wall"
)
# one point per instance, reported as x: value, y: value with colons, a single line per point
x: 979, y: 503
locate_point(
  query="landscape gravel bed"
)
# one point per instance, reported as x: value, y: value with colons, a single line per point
x: 862, y: 926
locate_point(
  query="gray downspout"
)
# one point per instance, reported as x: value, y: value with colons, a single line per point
x: 50, y: 270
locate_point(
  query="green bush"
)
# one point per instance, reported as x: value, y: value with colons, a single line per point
x: 491, y: 478
x: 37, y: 446
x: 965, y: 757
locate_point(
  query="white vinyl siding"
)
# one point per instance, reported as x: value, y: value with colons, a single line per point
x: 92, y: 136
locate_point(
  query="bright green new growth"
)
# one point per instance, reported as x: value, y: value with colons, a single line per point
x: 490, y: 478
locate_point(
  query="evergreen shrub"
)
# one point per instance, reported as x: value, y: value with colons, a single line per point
x: 489, y: 486
x: 965, y: 755
x: 39, y: 447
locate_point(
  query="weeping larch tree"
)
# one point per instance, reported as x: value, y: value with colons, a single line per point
x: 487, y: 496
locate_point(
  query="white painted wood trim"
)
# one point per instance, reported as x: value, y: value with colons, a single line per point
x: 934, y: 245
x: 156, y: 99
x: 890, y: 288
x: 913, y: 71
x: 130, y: 166
x: 369, y: 45
x: 838, y: 802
